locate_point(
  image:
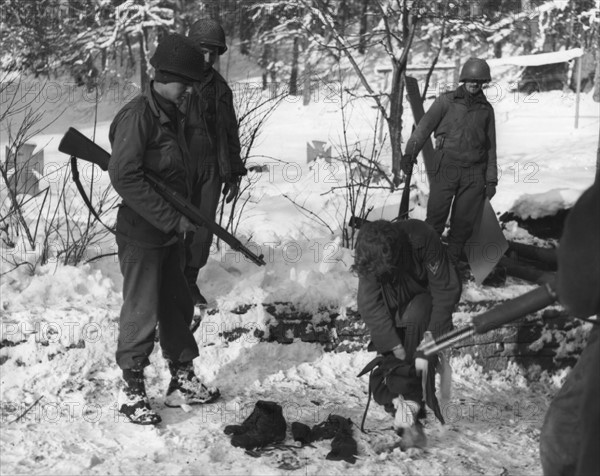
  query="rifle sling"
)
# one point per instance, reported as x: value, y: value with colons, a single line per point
x: 75, y: 173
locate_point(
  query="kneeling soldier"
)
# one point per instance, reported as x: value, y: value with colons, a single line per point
x: 407, y: 291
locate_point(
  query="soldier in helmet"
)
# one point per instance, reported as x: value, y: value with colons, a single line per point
x: 146, y: 134
x: 464, y: 169
x: 211, y: 133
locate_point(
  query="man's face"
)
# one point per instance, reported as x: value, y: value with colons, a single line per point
x: 473, y: 86
x: 210, y: 55
x: 174, y: 91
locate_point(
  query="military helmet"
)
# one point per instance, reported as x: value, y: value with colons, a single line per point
x: 475, y: 69
x: 176, y: 54
x: 208, y: 32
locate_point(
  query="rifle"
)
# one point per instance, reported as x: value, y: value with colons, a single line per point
x: 75, y: 144
x: 496, y: 317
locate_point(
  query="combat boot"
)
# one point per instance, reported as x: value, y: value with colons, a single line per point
x: 187, y: 389
x: 264, y: 426
x: 132, y: 401
x: 407, y: 424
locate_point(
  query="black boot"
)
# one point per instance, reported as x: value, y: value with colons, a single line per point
x: 264, y: 426
x: 187, y: 389
x: 133, y: 402
x: 191, y: 276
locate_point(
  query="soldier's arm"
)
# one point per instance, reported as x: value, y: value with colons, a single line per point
x: 373, y: 311
x: 426, y: 126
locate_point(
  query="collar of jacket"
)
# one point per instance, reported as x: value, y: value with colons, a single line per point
x: 461, y: 93
x: 157, y: 111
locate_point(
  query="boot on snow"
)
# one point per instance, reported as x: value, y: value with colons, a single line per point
x: 264, y: 426
x: 187, y: 389
x: 407, y: 424
x: 132, y: 401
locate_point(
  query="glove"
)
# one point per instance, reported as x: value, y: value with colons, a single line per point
x: 399, y: 352
x: 231, y: 189
x: 406, y: 163
x: 490, y: 190
x: 184, y: 225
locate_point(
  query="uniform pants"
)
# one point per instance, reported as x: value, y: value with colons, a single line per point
x: 466, y: 185
x: 154, y: 293
x: 395, y: 377
x: 205, y: 196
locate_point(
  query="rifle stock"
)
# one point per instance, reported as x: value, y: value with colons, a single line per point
x: 75, y: 144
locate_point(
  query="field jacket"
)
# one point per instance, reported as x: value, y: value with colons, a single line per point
x: 381, y: 304
x: 226, y: 128
x: 143, y: 137
x: 464, y: 129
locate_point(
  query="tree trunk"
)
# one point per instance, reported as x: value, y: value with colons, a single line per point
x: 597, y: 76
x: 245, y: 32
x: 395, y: 119
x: 342, y: 19
x: 306, y: 78
x: 294, y: 73
x: 143, y: 41
x: 362, y: 34
x: 130, y: 51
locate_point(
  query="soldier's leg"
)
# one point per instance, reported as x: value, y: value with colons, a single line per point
x: 466, y: 209
x: 205, y: 196
x: 441, y: 191
x: 141, y: 270
x: 176, y: 311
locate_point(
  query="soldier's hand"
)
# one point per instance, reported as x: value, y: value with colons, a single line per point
x: 421, y: 365
x: 406, y: 163
x: 231, y: 189
x: 185, y: 225
x: 490, y: 190
x: 399, y: 352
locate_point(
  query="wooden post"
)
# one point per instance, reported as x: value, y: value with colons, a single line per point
x: 578, y: 90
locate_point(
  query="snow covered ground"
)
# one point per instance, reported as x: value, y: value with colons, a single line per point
x: 59, y: 325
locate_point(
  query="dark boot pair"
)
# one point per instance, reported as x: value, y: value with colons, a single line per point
x: 343, y: 445
x: 184, y: 389
x: 265, y: 425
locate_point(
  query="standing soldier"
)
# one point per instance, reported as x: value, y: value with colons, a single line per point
x: 464, y: 170
x: 147, y: 134
x: 211, y: 133
x: 407, y: 291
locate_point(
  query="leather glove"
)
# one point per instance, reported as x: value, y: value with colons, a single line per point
x: 490, y: 190
x: 399, y: 352
x: 231, y: 189
x: 184, y: 225
x: 406, y: 163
